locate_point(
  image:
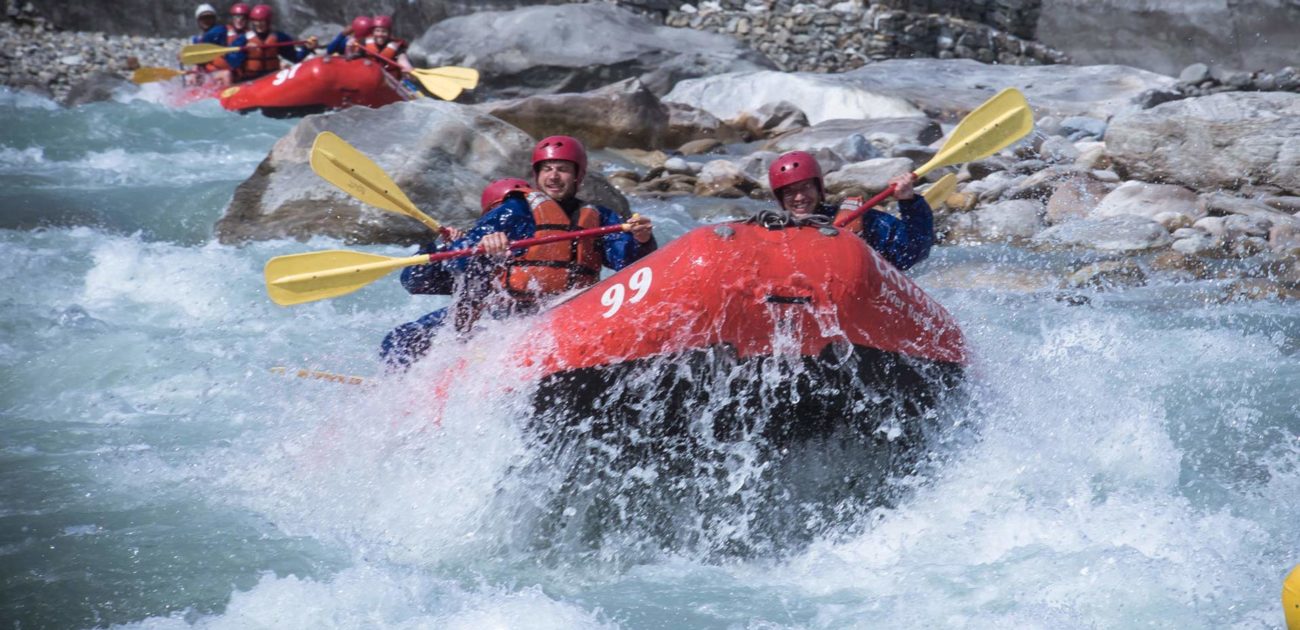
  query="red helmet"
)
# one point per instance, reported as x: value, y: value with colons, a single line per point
x: 261, y: 12
x: 239, y: 9
x: 561, y: 148
x: 384, y: 21
x: 792, y: 168
x: 497, y: 191
x: 361, y: 26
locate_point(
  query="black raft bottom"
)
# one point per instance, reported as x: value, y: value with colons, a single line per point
x: 735, y: 455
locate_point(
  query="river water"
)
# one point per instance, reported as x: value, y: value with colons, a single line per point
x: 1131, y: 461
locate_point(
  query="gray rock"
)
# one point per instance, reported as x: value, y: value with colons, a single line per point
x: 820, y: 97
x: 1074, y: 198
x: 1148, y: 200
x: 1083, y: 127
x: 1009, y: 221
x: 577, y: 47
x: 97, y: 88
x: 1120, y: 234
x: 1107, y: 275
x: 870, y: 176
x: 1219, y: 141
x: 1194, y: 74
x: 623, y: 115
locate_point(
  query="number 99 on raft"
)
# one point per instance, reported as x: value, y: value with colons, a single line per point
x: 639, y: 283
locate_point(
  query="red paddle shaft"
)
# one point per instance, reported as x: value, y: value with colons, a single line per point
x: 529, y: 242
x: 870, y: 203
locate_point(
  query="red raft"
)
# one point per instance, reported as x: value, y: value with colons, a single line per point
x: 741, y: 332
x: 316, y: 85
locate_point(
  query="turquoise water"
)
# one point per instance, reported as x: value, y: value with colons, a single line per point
x: 1131, y: 462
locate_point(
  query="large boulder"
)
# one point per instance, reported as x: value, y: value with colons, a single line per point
x: 820, y: 96
x: 1224, y: 140
x: 622, y: 115
x: 857, y: 140
x: 1121, y: 234
x: 440, y: 154
x: 1148, y: 200
x: 577, y: 47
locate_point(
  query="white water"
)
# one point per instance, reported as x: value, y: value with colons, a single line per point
x: 1131, y: 462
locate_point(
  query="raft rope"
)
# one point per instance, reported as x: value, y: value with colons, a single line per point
x: 780, y: 219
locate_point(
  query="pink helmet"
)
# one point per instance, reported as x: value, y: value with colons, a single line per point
x: 792, y: 168
x: 384, y: 21
x: 561, y: 148
x: 361, y: 26
x: 497, y: 191
x: 261, y: 12
x: 239, y: 9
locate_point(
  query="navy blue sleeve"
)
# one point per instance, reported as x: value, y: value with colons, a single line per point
x: 621, y: 249
x: 215, y: 35
x: 236, y: 59
x: 428, y: 279
x: 513, y: 217
x: 338, y: 46
x: 292, y: 53
x: 903, y: 242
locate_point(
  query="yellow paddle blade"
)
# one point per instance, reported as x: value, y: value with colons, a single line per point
x: 1291, y: 599
x: 195, y: 54
x: 444, y: 89
x: 466, y: 78
x: 993, y: 126
x: 341, y: 164
x: 939, y: 191
x: 152, y: 74
x: 299, y: 278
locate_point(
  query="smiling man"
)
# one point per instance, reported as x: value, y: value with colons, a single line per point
x: 796, y: 181
x: 506, y: 282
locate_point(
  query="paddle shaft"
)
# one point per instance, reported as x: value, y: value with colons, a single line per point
x: 423, y: 259
x: 869, y: 204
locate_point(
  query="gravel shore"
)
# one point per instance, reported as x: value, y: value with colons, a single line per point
x: 38, y: 58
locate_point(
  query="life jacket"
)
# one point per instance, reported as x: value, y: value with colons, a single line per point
x: 848, y: 206
x: 262, y: 60
x: 388, y: 51
x: 220, y: 62
x: 555, y: 267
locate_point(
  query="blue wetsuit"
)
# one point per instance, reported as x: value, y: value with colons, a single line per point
x: 215, y: 35
x: 514, y: 217
x: 902, y: 241
x: 338, y: 45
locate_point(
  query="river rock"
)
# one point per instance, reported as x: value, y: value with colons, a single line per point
x: 1074, y: 198
x: 1120, y: 234
x: 577, y: 47
x: 721, y: 178
x: 1225, y: 204
x: 866, y: 177
x: 1107, y: 275
x: 1148, y: 200
x: 1006, y: 221
x: 858, y: 140
x: 440, y: 154
x: 623, y: 115
x: 1219, y: 141
x: 819, y: 97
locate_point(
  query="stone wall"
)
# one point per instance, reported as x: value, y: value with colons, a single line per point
x: 828, y: 37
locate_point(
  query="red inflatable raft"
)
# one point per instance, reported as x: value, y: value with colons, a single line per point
x: 316, y: 85
x: 739, y: 332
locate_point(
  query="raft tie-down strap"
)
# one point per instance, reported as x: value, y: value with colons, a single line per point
x: 780, y: 219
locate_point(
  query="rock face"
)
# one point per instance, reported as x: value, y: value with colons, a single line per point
x: 820, y: 97
x: 440, y: 154
x: 1227, y: 140
x: 1167, y: 36
x: 577, y: 47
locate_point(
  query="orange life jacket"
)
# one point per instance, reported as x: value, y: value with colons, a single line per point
x: 262, y: 60
x: 849, y: 205
x: 555, y: 267
x: 220, y: 62
x: 388, y: 51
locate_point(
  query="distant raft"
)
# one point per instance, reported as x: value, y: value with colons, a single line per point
x: 316, y: 85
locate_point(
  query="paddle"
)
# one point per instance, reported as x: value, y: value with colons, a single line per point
x: 195, y: 54
x: 341, y: 164
x: 300, y: 278
x: 997, y: 123
x: 445, y: 82
x: 151, y: 74
x: 939, y: 191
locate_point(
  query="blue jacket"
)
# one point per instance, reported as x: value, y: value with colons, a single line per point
x: 292, y: 53
x: 903, y: 242
x: 215, y: 35
x: 515, y: 218
x: 338, y: 45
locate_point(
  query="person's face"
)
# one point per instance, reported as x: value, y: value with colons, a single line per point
x: 240, y: 22
x: 380, y: 33
x: 801, y: 198
x: 261, y: 26
x: 558, y: 179
x: 207, y: 21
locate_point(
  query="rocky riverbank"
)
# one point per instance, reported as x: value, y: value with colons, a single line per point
x: 35, y: 56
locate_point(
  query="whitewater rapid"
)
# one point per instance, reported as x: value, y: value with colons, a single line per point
x: 1128, y: 461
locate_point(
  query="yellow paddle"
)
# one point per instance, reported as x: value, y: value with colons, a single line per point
x: 939, y: 191
x: 446, y: 82
x: 299, y: 278
x: 151, y: 74
x: 1291, y: 599
x: 195, y: 54
x: 993, y: 126
x: 341, y: 164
